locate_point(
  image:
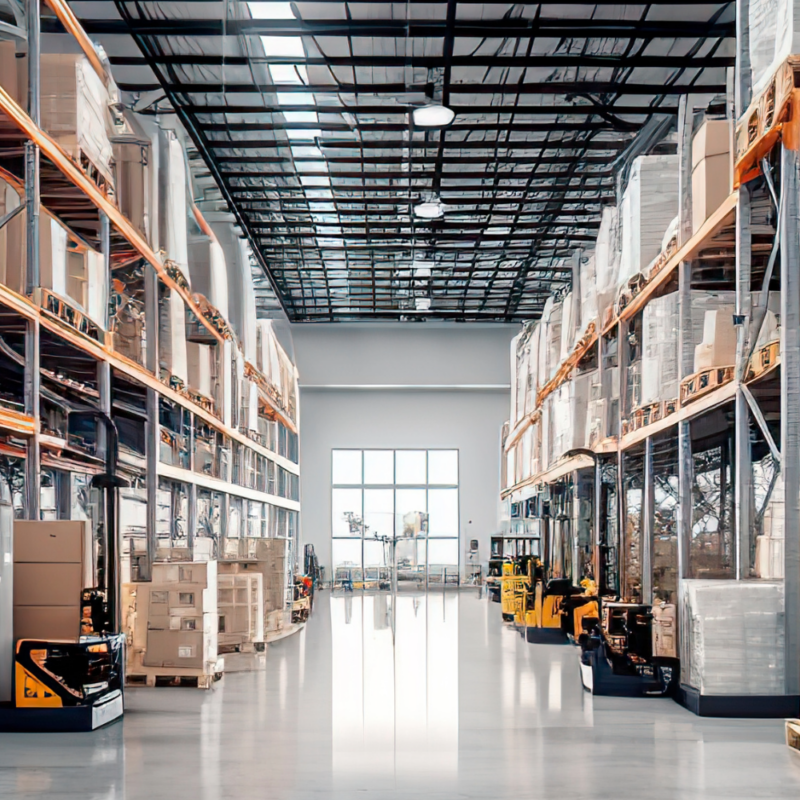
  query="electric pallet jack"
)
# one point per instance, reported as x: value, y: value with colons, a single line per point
x: 617, y: 656
x: 77, y: 685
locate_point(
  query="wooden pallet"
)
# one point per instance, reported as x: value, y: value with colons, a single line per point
x: 759, y: 128
x: 703, y: 382
x: 763, y: 359
x: 793, y: 733
x: 156, y: 677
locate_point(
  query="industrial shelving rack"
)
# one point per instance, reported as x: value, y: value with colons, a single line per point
x: 763, y: 386
x: 56, y: 185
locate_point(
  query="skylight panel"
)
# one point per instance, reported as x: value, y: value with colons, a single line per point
x: 283, y: 46
x: 288, y: 73
x: 315, y: 180
x: 296, y: 99
x: 271, y: 10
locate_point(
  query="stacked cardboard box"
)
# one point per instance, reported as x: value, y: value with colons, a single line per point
x: 172, y: 622
x: 240, y: 606
x: 52, y: 567
x: 711, y: 169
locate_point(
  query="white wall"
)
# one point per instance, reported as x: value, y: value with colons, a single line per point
x: 402, y: 386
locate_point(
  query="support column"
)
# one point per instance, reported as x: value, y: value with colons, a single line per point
x: 743, y: 473
x: 685, y: 341
x: 622, y: 511
x: 191, y: 522
x: 32, y: 279
x: 597, y: 528
x: 790, y: 407
x: 103, y: 367
x: 577, y: 574
x: 152, y: 429
x: 32, y: 388
x: 648, y: 498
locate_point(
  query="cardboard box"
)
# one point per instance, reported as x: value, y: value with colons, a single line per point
x: 718, y: 348
x: 166, y: 648
x: 711, y: 169
x: 47, y: 584
x: 53, y: 541
x: 52, y: 623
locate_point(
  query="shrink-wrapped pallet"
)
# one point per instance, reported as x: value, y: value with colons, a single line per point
x: 660, y: 349
x: 207, y: 265
x: 74, y: 109
x: 554, y: 324
x: 718, y: 347
x: 660, y: 322
x: 533, y: 381
x: 607, y: 260
x: 172, y: 335
x: 649, y: 204
x: 198, y: 357
x: 588, y: 293
x: 567, y: 327
x: 732, y: 637
x: 174, y: 232
x: 513, y: 415
x: 769, y: 544
x: 774, y: 35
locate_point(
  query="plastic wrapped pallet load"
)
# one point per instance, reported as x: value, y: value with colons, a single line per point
x: 513, y: 415
x: 521, y: 367
x: 649, y: 204
x: 659, y: 373
x: 172, y: 338
x: 532, y: 386
x: 774, y: 35
x: 198, y: 357
x: 718, y: 347
x: 732, y: 637
x: 769, y: 543
x: 606, y: 260
x: 554, y: 339
x: 588, y: 293
x: 74, y: 109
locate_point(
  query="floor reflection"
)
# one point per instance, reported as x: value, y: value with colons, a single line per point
x: 395, y: 684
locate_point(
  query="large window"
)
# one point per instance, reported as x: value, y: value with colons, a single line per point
x: 380, y: 496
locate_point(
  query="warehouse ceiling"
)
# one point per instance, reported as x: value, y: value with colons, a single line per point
x: 304, y: 116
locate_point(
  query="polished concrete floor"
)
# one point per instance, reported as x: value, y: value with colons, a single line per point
x: 449, y: 704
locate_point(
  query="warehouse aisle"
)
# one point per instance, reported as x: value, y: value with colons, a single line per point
x: 460, y: 707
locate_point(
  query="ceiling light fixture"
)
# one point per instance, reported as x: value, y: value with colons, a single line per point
x: 433, y: 208
x: 433, y: 116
